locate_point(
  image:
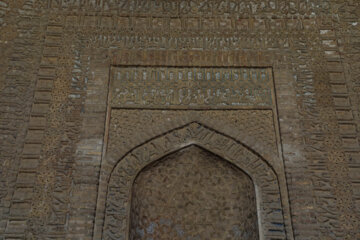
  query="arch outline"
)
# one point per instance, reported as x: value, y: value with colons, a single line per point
x: 119, y: 186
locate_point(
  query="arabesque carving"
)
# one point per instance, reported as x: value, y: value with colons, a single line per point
x: 118, y: 199
x: 55, y: 61
x: 193, y: 193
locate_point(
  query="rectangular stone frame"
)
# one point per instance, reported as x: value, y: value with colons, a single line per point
x: 197, y: 59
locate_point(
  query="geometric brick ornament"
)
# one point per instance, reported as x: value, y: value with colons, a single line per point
x: 119, y: 189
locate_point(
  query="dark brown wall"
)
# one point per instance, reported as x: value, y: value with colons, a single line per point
x: 193, y: 194
x: 55, y: 66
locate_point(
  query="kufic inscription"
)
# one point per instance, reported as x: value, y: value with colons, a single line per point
x: 191, y: 87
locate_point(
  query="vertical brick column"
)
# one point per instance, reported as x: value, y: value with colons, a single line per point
x: 89, y: 149
x: 26, y: 179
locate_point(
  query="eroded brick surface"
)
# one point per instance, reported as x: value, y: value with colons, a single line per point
x: 193, y: 194
x: 57, y: 151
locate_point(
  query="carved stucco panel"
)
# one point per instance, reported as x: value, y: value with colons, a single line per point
x: 270, y: 211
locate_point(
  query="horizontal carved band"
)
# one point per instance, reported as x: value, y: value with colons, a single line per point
x: 190, y: 87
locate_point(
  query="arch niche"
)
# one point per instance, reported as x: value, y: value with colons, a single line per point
x: 120, y: 185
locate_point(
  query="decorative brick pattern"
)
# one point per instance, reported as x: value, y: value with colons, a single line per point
x: 184, y: 87
x: 123, y: 175
x: 193, y: 194
x: 54, y: 85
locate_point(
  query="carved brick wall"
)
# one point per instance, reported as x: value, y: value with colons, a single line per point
x: 57, y: 119
x: 193, y: 194
x: 144, y: 103
x: 269, y: 200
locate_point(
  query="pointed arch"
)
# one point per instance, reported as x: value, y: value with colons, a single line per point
x: 119, y: 187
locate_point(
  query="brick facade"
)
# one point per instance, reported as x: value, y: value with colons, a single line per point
x: 283, y: 86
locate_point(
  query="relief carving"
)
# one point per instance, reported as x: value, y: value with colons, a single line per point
x: 193, y: 194
x: 57, y: 54
x: 190, y: 87
x: 118, y: 200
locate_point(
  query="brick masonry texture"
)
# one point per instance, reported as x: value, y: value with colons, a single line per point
x: 66, y: 137
x: 182, y: 209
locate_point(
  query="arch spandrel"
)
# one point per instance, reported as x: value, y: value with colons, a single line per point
x: 117, y: 209
x: 252, y: 135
